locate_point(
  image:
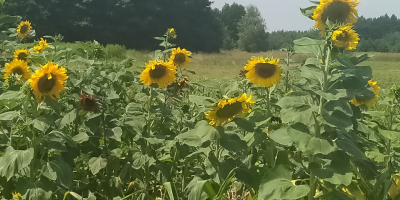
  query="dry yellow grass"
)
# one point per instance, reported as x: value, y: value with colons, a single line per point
x: 227, y: 64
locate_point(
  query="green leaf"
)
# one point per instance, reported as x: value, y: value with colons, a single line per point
x: 206, y: 132
x: 307, y: 143
x: 336, y: 94
x: 58, y: 140
x: 276, y: 184
x: 347, y: 144
x: 296, y: 107
x: 96, y: 164
x: 134, y: 109
x: 139, y: 160
x: 13, y: 161
x: 244, y: 124
x: 81, y: 137
x: 338, y: 114
x: 281, y: 136
x: 338, y: 171
x: 194, y: 190
x: 8, y: 116
x: 38, y: 190
x: 308, y: 12
x: 391, y: 135
x: 209, y: 83
x: 307, y: 45
x: 12, y: 95
x: 68, y: 118
x: 4, y: 19
x: 232, y: 142
x: 167, y: 186
x: 114, y: 133
x: 60, y: 171
x: 190, y: 138
x: 159, y: 38
x: 200, y: 100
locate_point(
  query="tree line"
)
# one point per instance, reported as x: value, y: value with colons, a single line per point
x: 134, y: 24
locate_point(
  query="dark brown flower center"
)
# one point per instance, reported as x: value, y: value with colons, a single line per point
x: 17, y: 70
x: 336, y: 12
x: 158, y: 72
x: 45, y: 85
x: 22, y: 56
x: 24, y: 29
x: 265, y: 70
x: 89, y: 102
x: 229, y: 110
x: 180, y: 58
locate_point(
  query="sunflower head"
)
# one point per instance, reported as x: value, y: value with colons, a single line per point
x: 38, y: 49
x: 23, y: 29
x: 345, y: 37
x: 337, y: 11
x: 43, y: 43
x: 370, y: 99
x: 17, y: 67
x: 226, y: 110
x: 263, y: 72
x: 22, y: 54
x: 159, y: 72
x: 88, y: 103
x: 180, y: 57
x: 48, y: 81
x: 172, y: 33
x: 16, y: 195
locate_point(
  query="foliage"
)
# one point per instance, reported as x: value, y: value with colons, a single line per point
x: 230, y: 15
x: 131, y: 23
x: 252, y: 31
x: 109, y: 136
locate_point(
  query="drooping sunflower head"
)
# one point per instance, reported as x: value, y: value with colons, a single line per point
x: 180, y: 57
x: 23, y: 29
x: 160, y: 72
x: 263, y: 72
x: 172, y: 33
x: 88, y: 103
x: 337, y: 11
x: 48, y: 81
x: 368, y: 99
x: 17, y: 67
x: 345, y: 37
x: 22, y: 54
x: 226, y: 110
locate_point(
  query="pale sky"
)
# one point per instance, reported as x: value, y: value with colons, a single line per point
x: 286, y: 15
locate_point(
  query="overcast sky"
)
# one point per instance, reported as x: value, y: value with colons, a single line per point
x: 286, y: 15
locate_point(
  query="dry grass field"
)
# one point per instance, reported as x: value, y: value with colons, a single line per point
x: 227, y: 64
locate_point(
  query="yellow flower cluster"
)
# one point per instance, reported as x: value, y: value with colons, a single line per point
x: 47, y: 81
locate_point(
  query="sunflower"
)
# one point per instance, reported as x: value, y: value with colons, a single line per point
x: 180, y: 57
x: 172, y: 33
x: 159, y: 72
x: 23, y: 29
x: 226, y: 110
x: 43, y: 43
x: 88, y: 103
x: 357, y: 101
x: 337, y: 11
x: 48, y: 81
x: 16, y: 195
x: 19, y: 67
x: 346, y: 38
x: 263, y: 72
x: 22, y: 54
x: 38, y: 49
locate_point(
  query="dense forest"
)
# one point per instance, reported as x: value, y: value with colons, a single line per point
x: 134, y: 23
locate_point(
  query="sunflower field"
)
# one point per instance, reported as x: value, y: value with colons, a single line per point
x: 122, y: 130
